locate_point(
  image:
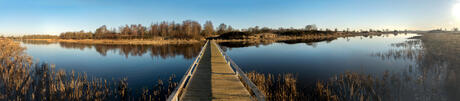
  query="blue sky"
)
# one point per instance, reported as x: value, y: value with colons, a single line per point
x: 18, y: 17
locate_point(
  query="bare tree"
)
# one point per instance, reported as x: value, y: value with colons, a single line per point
x: 208, y: 29
x: 229, y: 28
x: 311, y: 27
x: 100, y: 32
x: 221, y: 29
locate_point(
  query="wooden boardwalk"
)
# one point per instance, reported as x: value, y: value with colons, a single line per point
x: 214, y: 76
x: 214, y: 79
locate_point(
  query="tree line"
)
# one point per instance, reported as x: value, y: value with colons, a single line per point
x: 187, y: 29
x: 166, y: 30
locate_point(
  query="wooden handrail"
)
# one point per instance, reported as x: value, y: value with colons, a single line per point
x: 175, y: 95
x: 259, y: 96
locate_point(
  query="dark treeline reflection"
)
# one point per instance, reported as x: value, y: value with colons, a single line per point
x: 310, y: 42
x: 189, y: 51
x: 38, y: 42
x: 163, y: 51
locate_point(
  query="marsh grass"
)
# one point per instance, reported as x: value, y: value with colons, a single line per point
x: 348, y: 86
x: 276, y: 87
x: 432, y: 77
x: 21, y: 79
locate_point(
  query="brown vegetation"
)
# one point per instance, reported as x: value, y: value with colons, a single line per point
x: 190, y: 31
x: 432, y: 78
x: 276, y: 87
x: 40, y: 37
x: 160, y: 31
x: 21, y: 79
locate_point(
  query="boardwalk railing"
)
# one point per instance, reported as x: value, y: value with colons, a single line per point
x: 175, y: 95
x: 259, y: 96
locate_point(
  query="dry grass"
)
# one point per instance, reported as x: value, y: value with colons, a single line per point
x: 348, y: 87
x: 344, y: 87
x: 276, y: 87
x: 21, y: 79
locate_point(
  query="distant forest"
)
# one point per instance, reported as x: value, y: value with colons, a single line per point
x: 188, y: 29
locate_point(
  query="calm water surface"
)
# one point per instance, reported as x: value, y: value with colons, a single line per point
x: 313, y: 61
x: 143, y: 65
x: 423, y: 69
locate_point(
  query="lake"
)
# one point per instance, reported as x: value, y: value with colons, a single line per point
x: 313, y: 61
x: 309, y: 60
x: 143, y: 65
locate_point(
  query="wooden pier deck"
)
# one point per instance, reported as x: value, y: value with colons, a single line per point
x: 212, y: 79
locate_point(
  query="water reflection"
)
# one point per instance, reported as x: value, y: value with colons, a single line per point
x: 396, y: 67
x: 189, y: 51
x: 143, y: 65
x: 163, y: 51
x: 385, y: 64
x: 408, y: 50
x: 310, y: 42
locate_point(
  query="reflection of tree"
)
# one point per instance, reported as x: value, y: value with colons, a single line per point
x: 75, y: 45
x: 187, y: 50
x: 307, y: 41
x: 163, y: 51
x: 37, y: 42
x: 310, y: 42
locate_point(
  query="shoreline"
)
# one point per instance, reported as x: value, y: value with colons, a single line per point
x: 193, y: 41
x: 120, y: 42
x: 286, y: 38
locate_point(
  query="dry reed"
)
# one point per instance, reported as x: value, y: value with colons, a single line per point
x: 21, y: 79
x: 276, y: 87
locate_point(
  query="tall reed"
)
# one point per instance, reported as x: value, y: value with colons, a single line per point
x: 276, y: 87
x: 22, y: 79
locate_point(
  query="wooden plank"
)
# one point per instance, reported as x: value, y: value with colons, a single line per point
x: 214, y: 80
x: 178, y: 90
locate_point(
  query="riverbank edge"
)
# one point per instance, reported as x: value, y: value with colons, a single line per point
x: 120, y: 42
x: 193, y: 41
